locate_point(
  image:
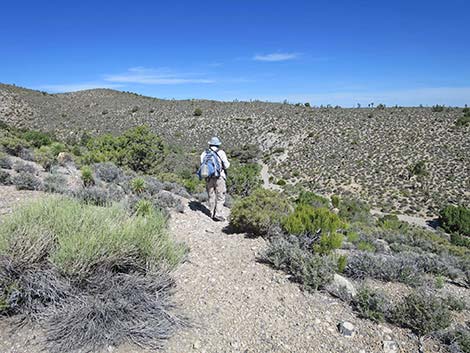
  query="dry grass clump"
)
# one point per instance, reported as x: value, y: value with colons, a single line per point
x: 289, y: 253
x: 91, y: 276
x: 119, y: 308
x: 406, y: 267
x: 26, y: 181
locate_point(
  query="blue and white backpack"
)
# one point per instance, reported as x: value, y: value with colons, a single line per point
x: 210, y: 166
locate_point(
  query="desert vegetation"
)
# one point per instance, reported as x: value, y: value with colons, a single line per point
x: 316, y: 244
x: 98, y: 243
x: 91, y: 263
x: 77, y: 268
x: 368, y: 157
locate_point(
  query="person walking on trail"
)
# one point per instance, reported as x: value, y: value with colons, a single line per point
x: 214, y: 165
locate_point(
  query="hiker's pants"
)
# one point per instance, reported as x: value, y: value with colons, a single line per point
x: 216, y: 190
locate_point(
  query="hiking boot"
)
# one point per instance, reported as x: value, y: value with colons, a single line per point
x: 218, y: 218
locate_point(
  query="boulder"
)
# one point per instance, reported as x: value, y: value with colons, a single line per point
x: 390, y: 347
x: 64, y: 158
x: 346, y: 328
x: 341, y: 286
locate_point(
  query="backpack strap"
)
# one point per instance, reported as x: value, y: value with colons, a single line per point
x: 221, y: 162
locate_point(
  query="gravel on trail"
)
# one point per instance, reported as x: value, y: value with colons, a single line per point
x: 237, y: 304
x: 234, y: 303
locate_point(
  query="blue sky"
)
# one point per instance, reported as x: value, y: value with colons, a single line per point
x: 324, y: 52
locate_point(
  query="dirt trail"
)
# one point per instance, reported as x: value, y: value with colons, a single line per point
x: 418, y: 221
x: 237, y: 304
x: 265, y: 177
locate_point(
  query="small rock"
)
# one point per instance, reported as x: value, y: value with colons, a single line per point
x: 386, y: 329
x: 346, y: 329
x: 197, y: 345
x: 382, y: 246
x: 341, y: 283
x: 390, y: 346
x: 63, y: 158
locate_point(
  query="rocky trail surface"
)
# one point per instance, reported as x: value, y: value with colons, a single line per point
x: 234, y: 303
x: 237, y: 304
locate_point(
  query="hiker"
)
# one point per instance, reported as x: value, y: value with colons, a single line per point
x: 214, y: 165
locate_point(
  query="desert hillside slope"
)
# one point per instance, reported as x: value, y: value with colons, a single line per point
x: 368, y: 152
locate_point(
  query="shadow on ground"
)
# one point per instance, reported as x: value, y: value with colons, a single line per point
x: 434, y: 223
x: 199, y: 207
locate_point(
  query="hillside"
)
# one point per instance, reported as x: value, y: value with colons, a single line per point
x: 367, y: 152
x: 126, y: 263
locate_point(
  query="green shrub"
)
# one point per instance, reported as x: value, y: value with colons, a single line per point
x: 13, y: 145
x: 342, y: 263
x: 391, y: 222
x: 371, y: 305
x: 328, y: 242
x: 245, y: 154
x: 193, y: 185
x: 335, y: 200
x: 463, y: 121
x: 380, y: 106
x: 45, y: 157
x: 57, y: 147
x: 438, y: 108
x: 144, y: 208
x: 306, y: 219
x: 87, y: 176
x: 423, y: 313
x: 460, y: 240
x: 37, y: 138
x: 352, y: 236
x: 365, y: 246
x: 257, y: 213
x: 311, y: 199
x: 456, y: 219
x: 416, y: 237
x: 197, y: 112
x: 281, y: 182
x: 354, y: 210
x: 418, y: 169
x: 138, y: 149
x: 80, y: 239
x: 278, y: 150
x: 138, y: 185
x: 243, y: 179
